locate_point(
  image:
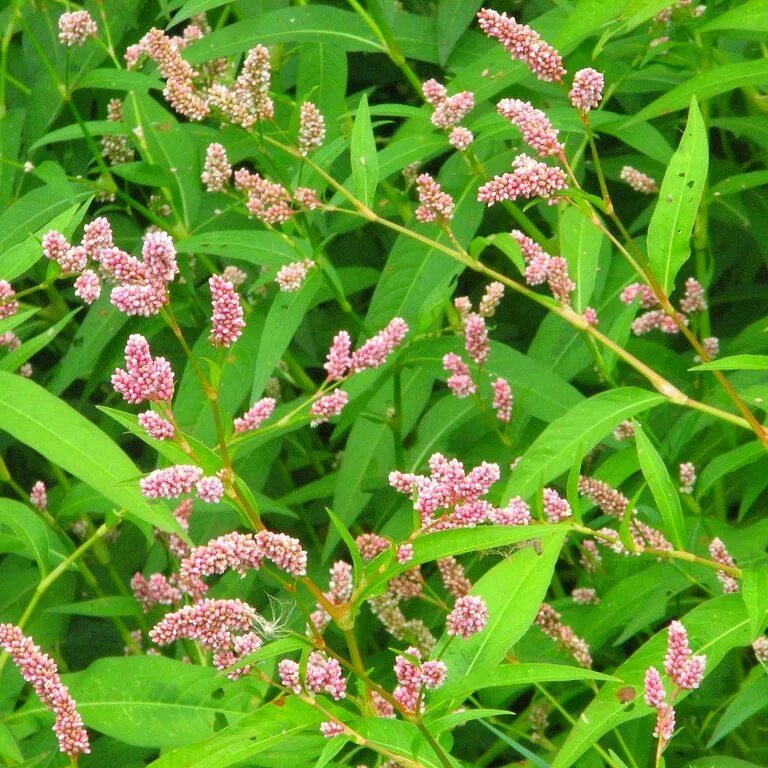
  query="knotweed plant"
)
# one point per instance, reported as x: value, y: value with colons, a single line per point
x: 382, y: 384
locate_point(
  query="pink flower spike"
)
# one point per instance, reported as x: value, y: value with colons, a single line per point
x: 502, y: 399
x: 284, y: 551
x: 434, y: 204
x: 655, y: 695
x: 159, y: 254
x: 377, y: 349
x: 434, y: 92
x: 587, y: 90
x: 217, y: 170
x: 492, y: 297
x: 687, y: 477
x: 253, y: 418
x: 476, y: 338
x: 330, y: 728
x: 8, y: 305
x: 311, y: 128
x: 144, y: 377
x: 523, y: 43
x: 210, y: 489
x: 405, y: 553
x: 156, y: 426
x: 76, y: 27
x: 640, y: 182
x: 537, y: 131
x: 678, y: 651
x: 40, y: 670
x: 38, y: 496
x: 719, y: 553
x: 469, y: 616
x: 171, y: 482
x: 517, y: 512
x: 453, y: 109
x: 556, y: 508
x: 97, y: 235
x: 227, y: 315
x: 291, y: 276
x: 461, y: 138
x: 665, y: 724
x: 55, y: 246
x: 528, y: 179
x: 155, y: 591
x: 88, y: 286
x: 338, y: 361
x: 328, y: 406
x: 240, y: 552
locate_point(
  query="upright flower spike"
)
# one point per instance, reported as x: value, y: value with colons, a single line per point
x: 556, y: 508
x: 524, y: 44
x: 88, y: 286
x: 116, y: 147
x: 476, y: 339
x: 686, y: 670
x: 587, y: 90
x: 258, y: 413
x: 374, y: 352
x: 39, y: 669
x: 461, y: 138
x: 468, y: 617
x: 460, y: 381
x: 502, y: 399
x: 551, y: 624
x: 227, y: 313
x: 328, y: 406
x: 537, y: 131
x: 156, y: 426
x: 695, y: 297
x: 76, y: 27
x: 492, y: 297
x: 687, y: 477
x: 311, y: 128
x: 38, y: 496
x: 217, y: 170
x: 144, y: 377
x: 529, y: 179
x: 434, y: 204
x: 338, y: 360
x: 719, y: 553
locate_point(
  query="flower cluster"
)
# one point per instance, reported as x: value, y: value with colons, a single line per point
x: 311, y: 128
x: 719, y: 553
x: 587, y: 90
x: 291, y: 277
x: 434, y: 204
x: 449, y: 111
x: 258, y: 413
x: 693, y: 301
x: 76, y: 27
x: 551, y: 624
x: 684, y: 670
x: 687, y: 477
x: 217, y: 170
x: 537, y: 131
x: 639, y: 181
x: 40, y: 670
x: 529, y: 179
x: 414, y: 676
x: 116, y: 147
x: 543, y: 268
x: 144, y: 377
x: 323, y: 674
x: 227, y: 312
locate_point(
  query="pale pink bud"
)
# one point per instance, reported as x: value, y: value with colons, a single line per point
x: 227, y: 313
x: 338, y: 361
x: 290, y: 277
x: 156, y: 426
x: 502, y: 399
x: 234, y: 275
x: 76, y: 27
x: 640, y: 182
x: 469, y: 616
x: 217, y: 170
x: 328, y: 406
x: 88, y: 286
x: 434, y: 204
x: 537, y: 131
x: 171, y: 482
x: 587, y: 90
x: 210, y: 489
x: 39, y: 495
x: 253, y: 418
x: 311, y: 128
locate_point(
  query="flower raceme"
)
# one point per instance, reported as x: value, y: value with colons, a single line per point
x: 144, y: 377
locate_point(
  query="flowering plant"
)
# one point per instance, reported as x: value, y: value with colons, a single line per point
x: 360, y: 397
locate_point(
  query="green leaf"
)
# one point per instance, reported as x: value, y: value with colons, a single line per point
x: 754, y: 591
x: 453, y: 19
x: 115, y: 605
x: 66, y: 438
x: 664, y: 492
x: 74, y: 132
x: 580, y: 243
x: 435, y: 546
x: 267, y: 249
x: 118, y: 80
x: 349, y: 540
x: 709, y: 83
x: 750, y: 700
x: 364, y: 160
x: 669, y: 231
x: 513, y: 590
x: 555, y: 449
x: 319, y: 24
x: 739, y: 182
x: 735, y: 363
x: 151, y: 701
x: 15, y: 359
x: 730, y: 461
x: 285, y: 315
x: 8, y: 747
x: 751, y: 17
x: 715, y: 627
x: 459, y: 688
x: 398, y: 737
x: 192, y: 8
x: 29, y: 529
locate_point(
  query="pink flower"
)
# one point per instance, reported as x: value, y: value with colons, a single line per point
x: 556, y: 508
x: 655, y: 695
x: 719, y: 553
x: 97, y: 235
x: 695, y: 298
x: 434, y: 204
x: 460, y: 382
x: 234, y: 551
x: 311, y: 128
x: 587, y: 90
x: 590, y: 315
x: 371, y: 544
x: 234, y: 275
x: 517, y: 512
x: 711, y: 346
x: 559, y: 282
x: 217, y: 170
x: 528, y: 179
x: 550, y: 622
x: 144, y: 377
x: 640, y: 182
x: 585, y: 596
x: 537, y: 131
x: 328, y: 406
x: 453, y: 109
x: 157, y: 591
x: 665, y: 723
x: 685, y: 670
x: 492, y: 297
x: 156, y: 426
x: 227, y: 313
x: 330, y: 728
x: 374, y: 352
x: 648, y: 298
x: 211, y: 622
x: 476, y: 338
x: 242, y: 646
x: 288, y: 670
x: 687, y: 477
x: 171, y: 482
x: 76, y: 27
x: 39, y: 669
x: 210, y: 489
x: 338, y: 361
x: 283, y: 551
x: 609, y: 500
x: 453, y: 576
x: 524, y: 44
x: 88, y: 286
x: 251, y: 88
x: 502, y: 399
x: 324, y: 674
x: 461, y: 138
x: 405, y: 553
x: 39, y: 495
x: 291, y: 276
x: 469, y: 616
x: 253, y: 418
x: 8, y: 305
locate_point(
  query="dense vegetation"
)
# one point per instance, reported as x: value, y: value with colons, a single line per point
x: 383, y: 383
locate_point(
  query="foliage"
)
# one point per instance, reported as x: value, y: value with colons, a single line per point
x: 515, y: 515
